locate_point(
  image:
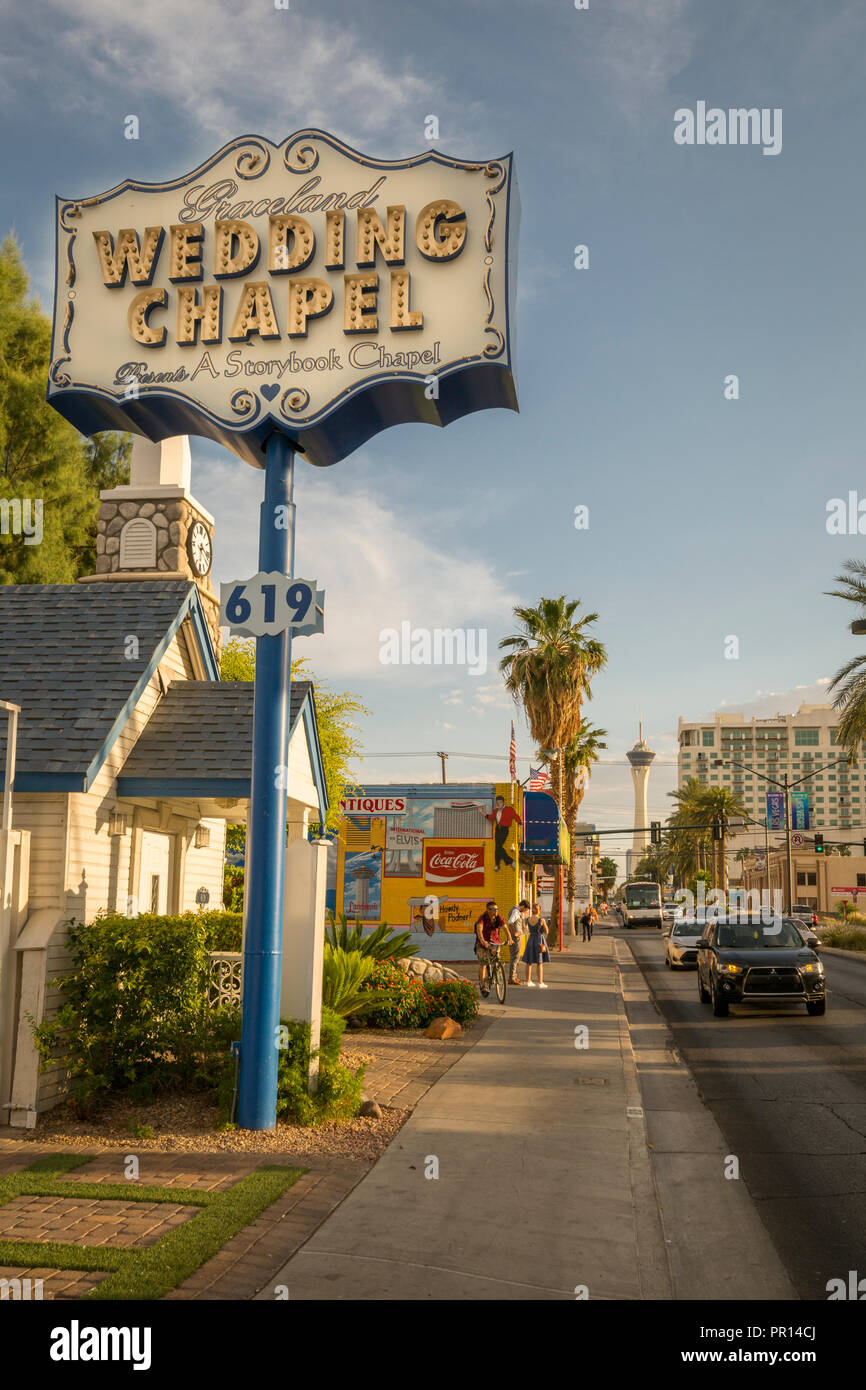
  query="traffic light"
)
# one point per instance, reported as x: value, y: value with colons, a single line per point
x: 718, y: 830
x: 819, y: 842
x: 655, y: 832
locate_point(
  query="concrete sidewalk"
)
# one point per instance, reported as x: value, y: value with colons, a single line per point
x: 546, y: 1186
x: 544, y: 1183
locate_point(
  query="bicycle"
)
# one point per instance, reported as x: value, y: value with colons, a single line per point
x: 497, y: 978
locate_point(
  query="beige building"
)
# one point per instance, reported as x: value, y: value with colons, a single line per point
x: 823, y: 881
x: 801, y: 744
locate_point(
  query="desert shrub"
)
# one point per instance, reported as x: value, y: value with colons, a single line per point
x: 846, y: 938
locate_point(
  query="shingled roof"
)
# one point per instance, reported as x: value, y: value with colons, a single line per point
x: 65, y: 659
x: 199, y: 741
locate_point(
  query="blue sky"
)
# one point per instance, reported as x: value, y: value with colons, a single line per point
x: 707, y: 516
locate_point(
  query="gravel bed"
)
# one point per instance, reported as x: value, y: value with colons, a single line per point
x: 184, y: 1124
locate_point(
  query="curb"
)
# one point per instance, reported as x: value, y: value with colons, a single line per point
x: 656, y: 1276
x: 859, y: 956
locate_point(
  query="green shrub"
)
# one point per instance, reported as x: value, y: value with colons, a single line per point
x: 135, y: 1014
x: 380, y: 944
x: 338, y: 1096
x: 457, y: 999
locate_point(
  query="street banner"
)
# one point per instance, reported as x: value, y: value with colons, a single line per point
x: 776, y: 810
x: 301, y: 287
x: 799, y: 810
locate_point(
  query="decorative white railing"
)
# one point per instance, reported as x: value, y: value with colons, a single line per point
x: 225, y: 976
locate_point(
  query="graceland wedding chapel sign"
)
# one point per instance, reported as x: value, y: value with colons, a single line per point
x: 303, y: 287
x: 279, y: 299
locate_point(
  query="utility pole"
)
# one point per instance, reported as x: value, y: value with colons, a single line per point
x: 443, y: 756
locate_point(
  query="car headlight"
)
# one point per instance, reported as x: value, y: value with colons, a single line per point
x: 812, y: 968
x: 728, y: 968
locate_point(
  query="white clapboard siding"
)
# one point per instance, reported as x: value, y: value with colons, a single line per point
x: 204, y: 869
x: 44, y: 814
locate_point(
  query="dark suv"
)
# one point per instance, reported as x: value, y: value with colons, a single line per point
x: 745, y: 959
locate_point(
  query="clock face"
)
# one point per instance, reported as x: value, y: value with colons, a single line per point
x: 198, y: 549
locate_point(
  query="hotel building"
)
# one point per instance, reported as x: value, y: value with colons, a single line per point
x: 799, y: 744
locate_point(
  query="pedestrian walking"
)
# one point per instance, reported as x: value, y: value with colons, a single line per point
x: 516, y: 918
x: 586, y: 924
x: 535, y: 952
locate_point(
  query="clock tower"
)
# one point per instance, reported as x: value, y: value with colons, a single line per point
x: 153, y: 528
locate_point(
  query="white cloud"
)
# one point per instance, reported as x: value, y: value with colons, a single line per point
x: 642, y: 46
x: 766, y: 703
x: 224, y: 71
x: 379, y: 567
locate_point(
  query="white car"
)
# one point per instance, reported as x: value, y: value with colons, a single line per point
x: 681, y: 944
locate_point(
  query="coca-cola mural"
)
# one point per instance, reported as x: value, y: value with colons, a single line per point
x: 458, y: 864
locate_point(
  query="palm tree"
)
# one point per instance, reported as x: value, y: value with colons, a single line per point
x: 577, y: 759
x: 690, y: 845
x: 721, y: 805
x: 850, y: 680
x: 548, y: 668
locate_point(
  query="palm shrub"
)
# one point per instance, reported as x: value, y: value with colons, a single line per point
x: 379, y: 944
x: 343, y: 976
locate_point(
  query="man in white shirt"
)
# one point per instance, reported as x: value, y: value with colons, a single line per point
x: 516, y: 918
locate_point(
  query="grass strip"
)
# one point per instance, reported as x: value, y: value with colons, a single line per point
x: 40, y: 1172
x: 54, y: 1254
x: 153, y: 1271
x: 161, y: 1267
x: 115, y: 1191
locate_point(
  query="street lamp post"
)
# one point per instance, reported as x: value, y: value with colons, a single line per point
x: 786, y: 785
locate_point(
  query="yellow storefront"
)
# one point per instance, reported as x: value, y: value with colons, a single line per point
x: 427, y: 858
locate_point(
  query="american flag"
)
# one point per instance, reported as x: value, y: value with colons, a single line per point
x: 539, y: 779
x: 512, y: 755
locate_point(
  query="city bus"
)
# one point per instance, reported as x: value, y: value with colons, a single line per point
x: 642, y: 905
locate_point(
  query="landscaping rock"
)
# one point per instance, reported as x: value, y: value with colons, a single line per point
x: 372, y: 1108
x: 427, y: 970
x: 443, y: 1028
x: 355, y: 1022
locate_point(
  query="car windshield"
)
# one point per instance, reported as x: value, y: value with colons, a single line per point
x: 756, y: 936
x: 686, y: 929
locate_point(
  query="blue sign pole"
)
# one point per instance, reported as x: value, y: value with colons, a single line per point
x: 266, y: 840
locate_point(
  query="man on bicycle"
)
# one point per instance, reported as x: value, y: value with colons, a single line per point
x: 487, y: 930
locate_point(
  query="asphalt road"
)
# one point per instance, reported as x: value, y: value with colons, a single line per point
x: 789, y: 1094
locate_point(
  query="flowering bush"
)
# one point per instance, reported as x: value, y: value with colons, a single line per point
x: 405, y: 1001
x: 457, y: 999
x: 410, y: 1003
